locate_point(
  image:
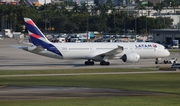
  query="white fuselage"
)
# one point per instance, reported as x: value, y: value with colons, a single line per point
x: 93, y: 50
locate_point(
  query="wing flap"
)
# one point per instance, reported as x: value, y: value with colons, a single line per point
x: 112, y: 53
x: 115, y: 51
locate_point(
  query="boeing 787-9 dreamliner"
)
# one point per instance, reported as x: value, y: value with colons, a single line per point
x: 92, y: 51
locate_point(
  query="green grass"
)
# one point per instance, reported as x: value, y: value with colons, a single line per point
x: 161, y: 82
x: 174, y: 50
x: 143, y: 82
x: 110, y: 101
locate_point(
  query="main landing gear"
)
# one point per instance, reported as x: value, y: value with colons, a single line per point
x: 104, y: 63
x: 89, y: 62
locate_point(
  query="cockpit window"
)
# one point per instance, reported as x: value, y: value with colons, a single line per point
x: 165, y: 47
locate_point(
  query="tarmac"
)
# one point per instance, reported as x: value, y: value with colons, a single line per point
x: 16, y: 59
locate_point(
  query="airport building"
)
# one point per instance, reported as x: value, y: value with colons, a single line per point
x: 165, y: 36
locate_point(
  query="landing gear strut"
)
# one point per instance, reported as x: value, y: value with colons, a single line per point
x: 104, y: 63
x: 89, y: 62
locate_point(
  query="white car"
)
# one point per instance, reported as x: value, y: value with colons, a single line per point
x: 1, y: 37
x: 170, y: 61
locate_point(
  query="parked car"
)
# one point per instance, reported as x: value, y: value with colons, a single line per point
x: 1, y: 37
x: 170, y: 61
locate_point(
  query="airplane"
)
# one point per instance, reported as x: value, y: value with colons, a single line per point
x: 130, y: 52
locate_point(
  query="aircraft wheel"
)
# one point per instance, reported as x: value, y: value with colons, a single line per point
x: 89, y: 63
x: 86, y: 62
x: 107, y: 63
x: 104, y: 63
x: 156, y: 62
x: 92, y: 62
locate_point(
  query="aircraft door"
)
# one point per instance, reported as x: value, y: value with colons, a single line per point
x: 64, y: 49
x: 132, y: 49
x: 91, y: 49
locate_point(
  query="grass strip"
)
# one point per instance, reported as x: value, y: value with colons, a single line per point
x: 109, y: 101
x: 62, y: 71
x: 174, y: 50
x: 168, y: 82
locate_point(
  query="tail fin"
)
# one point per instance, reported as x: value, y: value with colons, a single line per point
x: 38, y: 38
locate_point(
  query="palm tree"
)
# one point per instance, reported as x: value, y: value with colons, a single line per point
x: 165, y: 4
x: 3, y: 8
x: 76, y: 9
x: 22, y: 2
x: 174, y: 4
x: 103, y: 9
x: 158, y: 7
x: 84, y: 8
x: 140, y: 7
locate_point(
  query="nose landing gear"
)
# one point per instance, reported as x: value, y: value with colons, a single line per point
x: 157, y: 61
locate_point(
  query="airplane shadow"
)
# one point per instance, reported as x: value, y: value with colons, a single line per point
x: 70, y: 65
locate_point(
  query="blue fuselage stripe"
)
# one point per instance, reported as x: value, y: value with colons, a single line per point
x: 38, y: 42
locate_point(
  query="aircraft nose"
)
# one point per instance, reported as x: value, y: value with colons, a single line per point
x: 167, y: 53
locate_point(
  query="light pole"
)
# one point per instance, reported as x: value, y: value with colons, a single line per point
x: 114, y: 21
x: 87, y: 22
x: 146, y: 24
x: 135, y: 20
x: 135, y: 23
x: 45, y: 16
x: 2, y: 19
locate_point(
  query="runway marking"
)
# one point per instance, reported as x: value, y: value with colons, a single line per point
x: 77, y: 74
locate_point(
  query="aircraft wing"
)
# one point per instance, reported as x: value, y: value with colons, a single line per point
x: 112, y: 53
x: 115, y: 51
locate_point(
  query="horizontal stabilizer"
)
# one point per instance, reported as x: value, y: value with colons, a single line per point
x: 18, y: 47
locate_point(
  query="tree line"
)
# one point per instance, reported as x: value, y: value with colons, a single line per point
x: 57, y: 18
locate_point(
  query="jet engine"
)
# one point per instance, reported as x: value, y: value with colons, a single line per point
x: 131, y: 57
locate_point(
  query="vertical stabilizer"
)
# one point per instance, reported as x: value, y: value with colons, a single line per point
x: 38, y: 38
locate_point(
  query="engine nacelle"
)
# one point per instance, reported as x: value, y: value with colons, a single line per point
x: 131, y: 57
